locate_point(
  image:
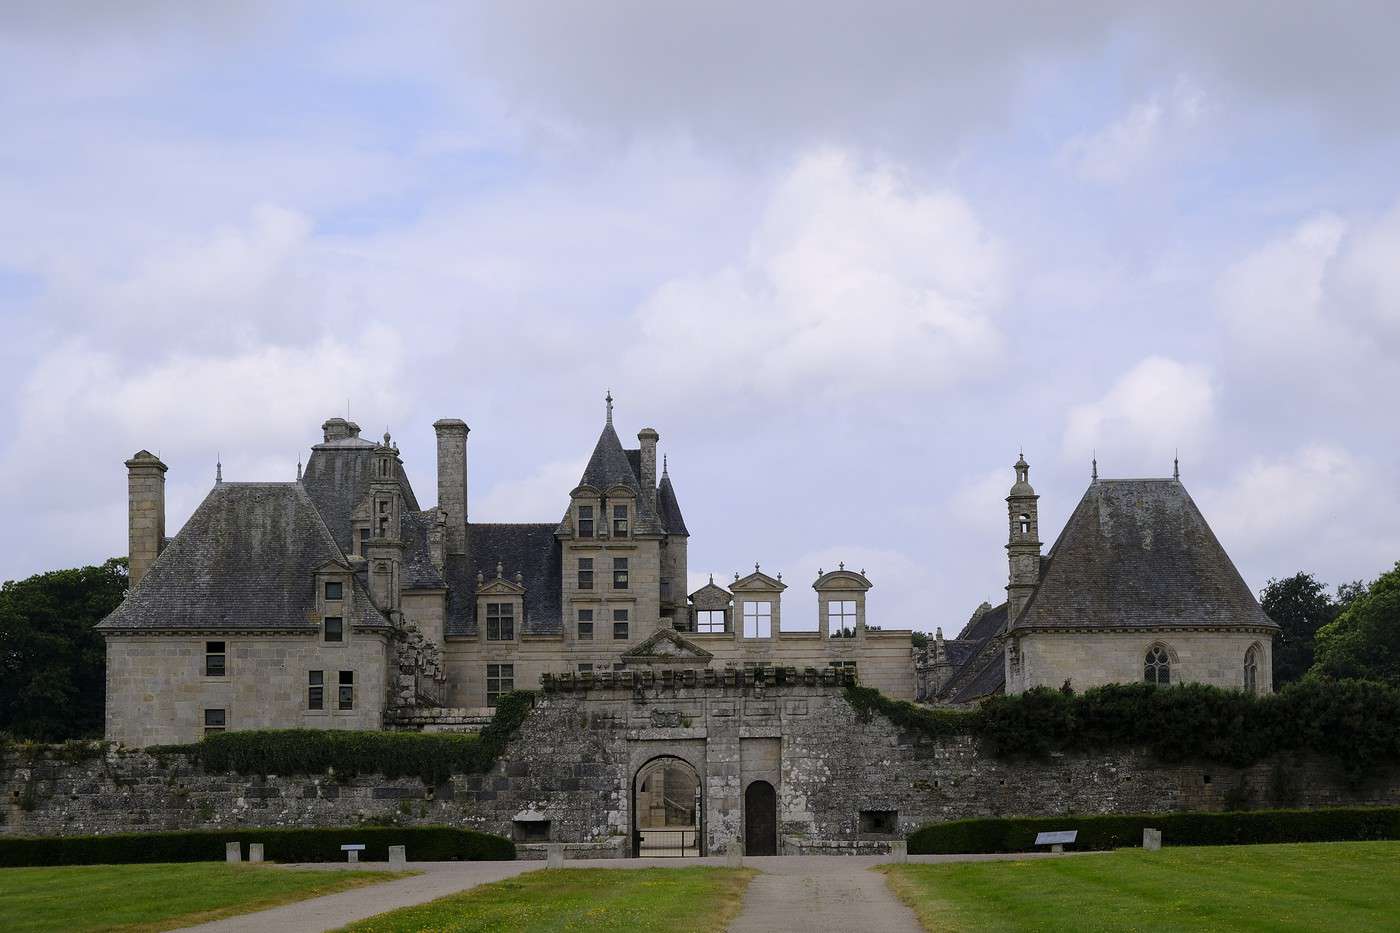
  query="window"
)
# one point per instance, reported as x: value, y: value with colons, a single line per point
x: 619, y: 521
x: 347, y: 690
x: 585, y: 625
x: 841, y: 618
x: 383, y: 528
x: 585, y: 573
x: 1025, y: 521
x: 500, y: 622
x: 585, y: 667
x: 709, y: 620
x: 1251, y: 669
x: 758, y: 619
x: 315, y: 689
x: 500, y: 680
x: 1157, y: 669
x: 335, y: 628
x: 214, y: 721
x: 585, y: 521
x: 333, y: 590
x: 364, y: 541
x: 214, y: 657
x: 619, y: 573
x: 620, y: 624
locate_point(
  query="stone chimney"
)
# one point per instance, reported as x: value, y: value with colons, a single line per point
x: 452, y: 481
x: 145, y: 498
x: 336, y: 429
x: 648, y: 438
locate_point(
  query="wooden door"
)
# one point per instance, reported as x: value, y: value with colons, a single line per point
x: 760, y: 819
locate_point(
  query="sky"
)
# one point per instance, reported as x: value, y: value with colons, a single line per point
x: 847, y: 258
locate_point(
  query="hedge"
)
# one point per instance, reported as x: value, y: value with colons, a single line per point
x: 424, y: 843
x: 1017, y: 834
x: 1355, y: 722
x: 433, y: 757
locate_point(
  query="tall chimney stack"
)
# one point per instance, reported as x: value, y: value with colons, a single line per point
x: 145, y: 497
x: 648, y: 438
x: 452, y: 481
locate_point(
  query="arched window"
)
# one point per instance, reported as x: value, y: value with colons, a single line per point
x: 1157, y: 668
x: 1251, y: 669
x: 1025, y: 521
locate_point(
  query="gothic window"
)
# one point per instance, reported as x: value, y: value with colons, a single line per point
x: 710, y: 620
x: 619, y: 521
x: 500, y: 680
x: 619, y: 573
x: 347, y: 690
x: 335, y: 628
x: 333, y: 590
x: 1157, y: 668
x: 500, y: 622
x: 841, y: 618
x: 214, y: 659
x: 215, y: 720
x: 585, y: 573
x: 620, y: 624
x: 758, y: 619
x: 585, y: 521
x: 585, y: 625
x: 1251, y: 669
x: 315, y: 689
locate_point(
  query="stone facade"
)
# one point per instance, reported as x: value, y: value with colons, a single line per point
x: 842, y: 785
x: 1093, y: 659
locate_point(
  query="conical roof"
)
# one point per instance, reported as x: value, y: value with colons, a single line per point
x: 669, y: 508
x: 609, y: 465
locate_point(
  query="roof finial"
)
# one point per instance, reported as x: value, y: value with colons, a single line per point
x: 841, y: 564
x: 1094, y: 467
x: 712, y: 579
x: 663, y: 465
x: 755, y: 566
x: 608, y: 399
x: 218, y: 469
x: 298, y: 469
x: 1176, y: 465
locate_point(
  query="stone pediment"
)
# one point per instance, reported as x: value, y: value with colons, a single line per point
x: 758, y: 581
x: 334, y: 565
x: 666, y: 645
x: 842, y: 579
x: 499, y: 586
x: 711, y: 589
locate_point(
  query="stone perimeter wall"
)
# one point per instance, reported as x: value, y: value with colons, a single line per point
x: 576, y: 755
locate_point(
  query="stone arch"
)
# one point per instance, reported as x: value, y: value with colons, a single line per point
x: 760, y: 819
x: 1160, y: 664
x: 1253, y: 658
x: 667, y: 808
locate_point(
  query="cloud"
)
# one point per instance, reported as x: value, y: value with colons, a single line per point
x: 1152, y: 409
x: 853, y: 282
x: 542, y: 495
x: 1150, y: 131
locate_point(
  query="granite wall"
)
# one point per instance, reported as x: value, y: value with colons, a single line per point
x: 842, y: 785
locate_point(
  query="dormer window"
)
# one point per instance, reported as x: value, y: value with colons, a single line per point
x: 619, y: 525
x: 710, y: 620
x: 841, y: 618
x: 585, y: 521
x: 333, y: 590
x: 758, y: 619
x: 500, y: 622
x: 364, y: 542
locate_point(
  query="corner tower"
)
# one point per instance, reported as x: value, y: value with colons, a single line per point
x: 1023, y: 541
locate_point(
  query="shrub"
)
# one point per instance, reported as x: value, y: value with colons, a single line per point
x: 433, y: 757
x: 1017, y: 834
x: 424, y: 843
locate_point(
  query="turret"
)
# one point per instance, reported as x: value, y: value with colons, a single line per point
x: 386, y: 546
x: 1023, y: 541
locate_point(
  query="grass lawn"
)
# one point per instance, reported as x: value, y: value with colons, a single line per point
x: 650, y: 899
x: 1313, y: 886
x: 155, y: 897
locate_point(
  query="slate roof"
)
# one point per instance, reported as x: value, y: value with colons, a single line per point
x: 610, y: 465
x: 991, y: 679
x: 337, y: 479
x: 529, y: 548
x: 669, y: 509
x: 1137, y: 553
x: 245, y: 560
x: 418, y: 571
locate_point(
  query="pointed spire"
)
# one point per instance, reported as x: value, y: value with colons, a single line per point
x: 298, y: 469
x: 712, y: 579
x: 218, y: 469
x: 1176, y: 466
x: 609, y: 399
x: 663, y: 465
x: 1094, y: 467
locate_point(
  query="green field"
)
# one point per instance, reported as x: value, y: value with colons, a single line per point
x: 81, y: 898
x: 651, y: 899
x: 1315, y: 886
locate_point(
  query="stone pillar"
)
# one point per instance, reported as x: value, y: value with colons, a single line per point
x: 255, y: 851
x: 554, y: 855
x: 233, y: 852
x: 452, y: 480
x: 1151, y: 839
x: 899, y: 851
x: 353, y: 855
x: 648, y: 437
x: 734, y: 854
x: 145, y: 489
x: 398, y: 859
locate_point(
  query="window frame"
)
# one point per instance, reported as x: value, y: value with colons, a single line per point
x: 585, y: 573
x: 621, y: 521
x: 1251, y: 669
x: 836, y: 621
x: 339, y: 591
x: 704, y: 625
x: 339, y: 630
x: 580, y: 622
x: 503, y: 679
x: 316, y: 691
x: 622, y: 622
x: 584, y: 522
x: 1157, y: 666
x: 210, y: 654
x: 621, y: 571
x: 345, y: 682
x: 758, y: 616
x: 500, y: 627
x: 212, y: 713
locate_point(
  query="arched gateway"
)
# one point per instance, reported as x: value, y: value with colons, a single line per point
x: 760, y: 819
x: 666, y: 809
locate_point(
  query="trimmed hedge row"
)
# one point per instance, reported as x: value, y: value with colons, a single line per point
x: 433, y: 757
x: 1017, y: 834
x: 424, y: 843
x: 1355, y: 722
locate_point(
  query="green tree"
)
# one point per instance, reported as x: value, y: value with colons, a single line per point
x: 1364, y: 640
x: 52, y: 680
x: 1300, y: 605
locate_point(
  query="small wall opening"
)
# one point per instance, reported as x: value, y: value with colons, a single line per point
x: 879, y: 822
x: 531, y: 830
